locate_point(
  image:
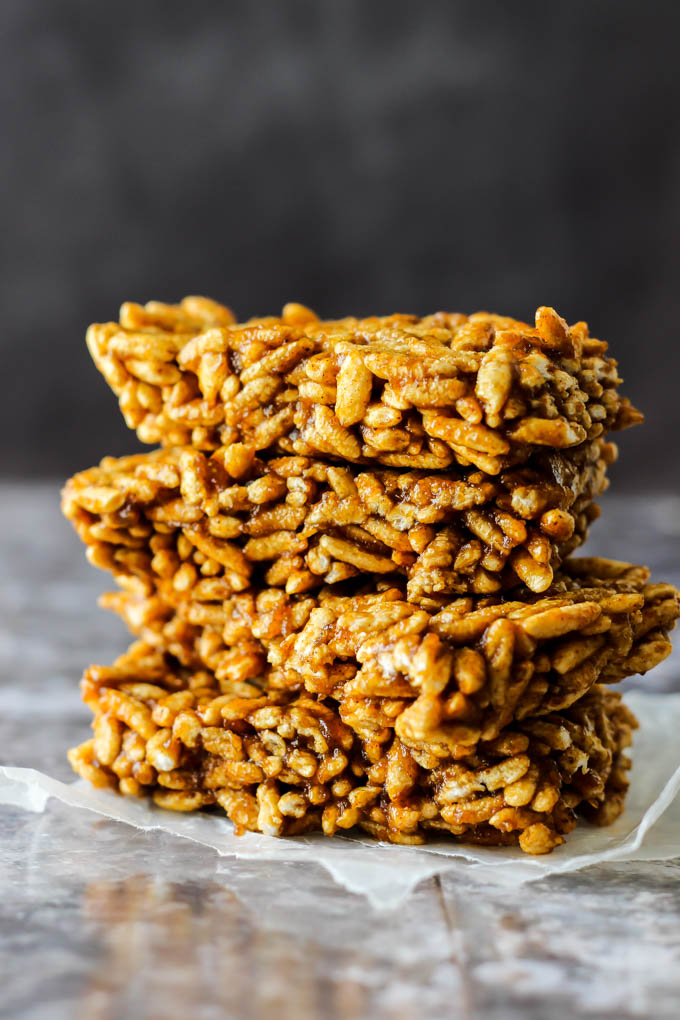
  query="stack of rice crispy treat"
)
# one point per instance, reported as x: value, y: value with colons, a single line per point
x: 349, y: 570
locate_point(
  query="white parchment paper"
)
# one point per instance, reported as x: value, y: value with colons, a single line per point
x: 386, y: 873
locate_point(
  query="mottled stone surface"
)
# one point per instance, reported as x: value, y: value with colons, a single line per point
x: 100, y: 921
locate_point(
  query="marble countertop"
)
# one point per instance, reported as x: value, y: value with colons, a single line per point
x: 98, y: 920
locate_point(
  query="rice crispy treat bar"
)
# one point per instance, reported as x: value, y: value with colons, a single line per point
x: 283, y: 763
x: 401, y: 391
x: 444, y: 680
x: 177, y: 516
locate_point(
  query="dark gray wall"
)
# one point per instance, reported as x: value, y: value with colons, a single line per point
x: 355, y: 155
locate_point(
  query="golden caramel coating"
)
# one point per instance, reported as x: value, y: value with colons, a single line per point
x: 444, y: 679
x: 350, y: 569
x: 178, y: 516
x: 401, y: 391
x: 284, y: 763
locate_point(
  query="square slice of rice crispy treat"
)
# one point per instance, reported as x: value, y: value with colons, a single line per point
x: 282, y: 763
x: 444, y: 680
x: 177, y: 516
x: 401, y: 391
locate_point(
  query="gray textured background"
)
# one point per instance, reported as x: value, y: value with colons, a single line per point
x: 356, y: 156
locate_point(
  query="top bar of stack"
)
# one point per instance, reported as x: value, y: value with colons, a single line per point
x: 400, y: 391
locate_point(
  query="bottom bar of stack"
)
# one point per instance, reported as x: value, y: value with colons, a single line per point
x: 283, y: 762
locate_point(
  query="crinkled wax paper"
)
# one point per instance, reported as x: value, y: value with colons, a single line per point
x: 386, y: 873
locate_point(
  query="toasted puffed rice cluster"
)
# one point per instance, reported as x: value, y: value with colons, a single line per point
x: 283, y: 763
x: 349, y: 567
x: 443, y: 680
x: 297, y: 523
x: 404, y: 392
